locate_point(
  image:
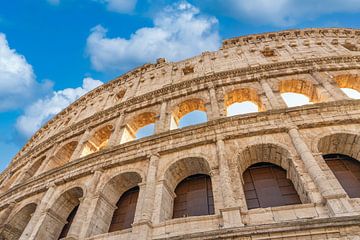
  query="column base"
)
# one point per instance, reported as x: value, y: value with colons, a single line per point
x: 231, y: 217
x: 141, y: 230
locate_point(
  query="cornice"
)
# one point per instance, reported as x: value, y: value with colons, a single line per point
x: 290, y: 34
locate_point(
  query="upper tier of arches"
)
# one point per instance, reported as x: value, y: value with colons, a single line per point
x: 285, y: 45
x: 168, y: 116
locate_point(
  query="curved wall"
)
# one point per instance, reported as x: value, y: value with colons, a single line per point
x: 88, y: 156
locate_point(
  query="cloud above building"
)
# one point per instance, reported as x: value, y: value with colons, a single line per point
x: 18, y: 83
x: 282, y: 13
x: 179, y: 31
x: 120, y: 6
x: 40, y: 111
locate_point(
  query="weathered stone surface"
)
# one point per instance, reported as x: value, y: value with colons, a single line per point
x: 87, y: 156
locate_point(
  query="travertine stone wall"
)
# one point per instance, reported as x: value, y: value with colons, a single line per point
x: 81, y: 157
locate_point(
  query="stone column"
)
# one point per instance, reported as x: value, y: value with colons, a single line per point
x: 164, y: 198
x: 215, y: 111
x: 116, y: 135
x: 328, y: 84
x: 84, y: 138
x: 88, y: 207
x: 231, y: 212
x: 149, y: 198
x: 274, y: 101
x: 335, y: 199
x: 33, y: 227
x: 161, y: 124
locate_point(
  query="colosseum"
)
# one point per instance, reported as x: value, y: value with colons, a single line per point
x: 281, y: 172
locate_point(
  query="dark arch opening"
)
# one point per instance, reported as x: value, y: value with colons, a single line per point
x: 69, y: 221
x: 124, y: 215
x: 194, y: 197
x: 347, y: 171
x: 266, y: 185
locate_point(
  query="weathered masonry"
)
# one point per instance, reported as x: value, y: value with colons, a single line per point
x: 277, y: 172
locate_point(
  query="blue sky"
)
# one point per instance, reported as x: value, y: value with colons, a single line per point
x: 54, y: 51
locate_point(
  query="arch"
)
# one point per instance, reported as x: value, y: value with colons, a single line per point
x: 61, y: 214
x: 137, y: 123
x: 109, y: 206
x: 274, y: 154
x: 298, y: 86
x: 194, y: 105
x: 347, y: 171
x: 18, y: 222
x: 266, y: 185
x: 340, y: 143
x: 98, y: 141
x: 349, y: 81
x: 183, y: 168
x: 194, y: 197
x: 242, y: 95
x: 124, y: 214
x: 62, y: 156
x: 264, y: 152
x: 173, y: 175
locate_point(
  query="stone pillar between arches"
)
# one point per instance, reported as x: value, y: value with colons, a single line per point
x: 335, y: 200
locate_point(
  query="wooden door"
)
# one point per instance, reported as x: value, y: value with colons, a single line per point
x: 266, y: 185
x: 194, y: 197
x: 347, y: 171
x: 124, y: 214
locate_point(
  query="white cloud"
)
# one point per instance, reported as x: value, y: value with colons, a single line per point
x: 17, y: 78
x: 120, y: 6
x: 43, y: 109
x: 281, y: 12
x: 179, y: 32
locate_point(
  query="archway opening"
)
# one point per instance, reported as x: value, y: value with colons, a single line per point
x: 347, y: 171
x: 17, y: 224
x: 118, y: 211
x: 295, y: 99
x: 349, y: 84
x: 194, y: 197
x: 98, y: 141
x: 62, y: 156
x: 266, y: 185
x: 61, y: 217
x: 140, y: 126
x: 242, y: 101
x: 299, y: 92
x: 124, y: 215
x: 188, y: 113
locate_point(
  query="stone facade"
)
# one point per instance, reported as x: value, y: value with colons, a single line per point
x: 87, y: 156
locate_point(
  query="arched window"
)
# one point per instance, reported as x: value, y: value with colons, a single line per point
x: 62, y: 156
x: 266, y: 185
x: 187, y: 113
x: 350, y: 85
x: 18, y: 222
x: 98, y: 141
x: 242, y: 101
x: 124, y: 214
x: 141, y: 126
x: 194, y: 197
x: 347, y: 171
x: 298, y: 92
x: 69, y: 221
